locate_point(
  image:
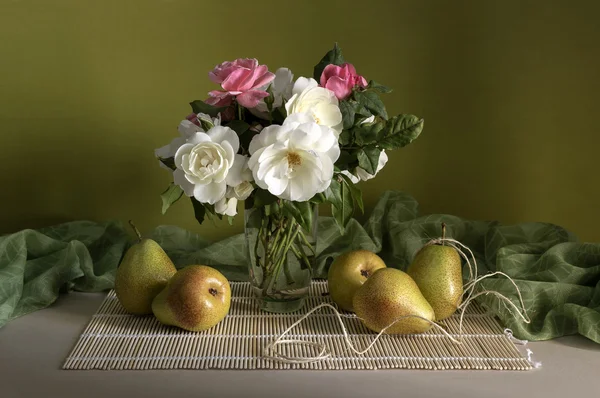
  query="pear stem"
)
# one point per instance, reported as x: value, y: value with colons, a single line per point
x: 443, y: 234
x: 137, y: 231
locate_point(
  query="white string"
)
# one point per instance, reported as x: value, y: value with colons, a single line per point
x: 474, y: 280
x: 509, y: 334
x: 535, y: 364
x: 271, y: 353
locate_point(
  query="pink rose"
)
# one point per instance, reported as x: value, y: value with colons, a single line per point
x: 341, y: 79
x: 242, y: 79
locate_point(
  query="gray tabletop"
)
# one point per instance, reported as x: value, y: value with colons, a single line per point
x: 33, y: 347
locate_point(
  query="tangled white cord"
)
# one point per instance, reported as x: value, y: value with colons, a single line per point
x: 270, y: 351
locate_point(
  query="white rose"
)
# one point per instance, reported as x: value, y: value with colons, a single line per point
x: 186, y: 130
x: 361, y: 174
x: 239, y: 186
x: 226, y: 206
x: 320, y: 103
x: 294, y: 161
x: 203, y: 164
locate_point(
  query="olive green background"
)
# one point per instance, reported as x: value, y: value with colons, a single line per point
x: 509, y: 91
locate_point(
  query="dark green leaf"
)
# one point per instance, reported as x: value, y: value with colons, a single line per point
x: 169, y: 162
x: 345, y: 159
x: 318, y: 198
x: 279, y: 115
x: 333, y: 193
x: 371, y: 101
x: 348, y: 109
x: 369, y: 133
x: 199, y: 210
x: 270, y: 99
x: 239, y: 126
x: 368, y: 158
x: 345, y: 138
x: 345, y: 209
x: 333, y: 56
x: 302, y: 212
x: 354, y: 191
x: 263, y: 197
x: 373, y: 85
x: 170, y: 196
x: 200, y: 106
x: 400, y: 131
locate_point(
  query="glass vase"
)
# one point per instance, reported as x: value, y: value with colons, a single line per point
x: 281, y: 256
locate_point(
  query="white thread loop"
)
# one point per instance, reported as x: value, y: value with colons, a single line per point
x: 270, y: 351
x: 535, y: 364
x: 509, y: 333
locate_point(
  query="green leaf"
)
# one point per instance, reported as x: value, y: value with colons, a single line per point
x: 333, y: 193
x: 239, y: 126
x: 169, y: 162
x: 262, y: 197
x: 333, y: 56
x: 368, y: 158
x: 318, y: 198
x: 279, y: 115
x: 368, y: 133
x: 199, y: 210
x: 373, y: 85
x: 371, y: 101
x: 302, y: 212
x: 345, y: 159
x: 348, y: 109
x: 354, y: 191
x: 400, y: 131
x: 170, y: 196
x: 270, y: 99
x: 345, y: 138
x: 230, y: 220
x: 342, y: 213
x: 200, y: 106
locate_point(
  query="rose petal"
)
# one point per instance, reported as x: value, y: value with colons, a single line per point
x: 234, y: 176
x: 179, y: 179
x: 251, y: 98
x: 341, y: 88
x: 210, y: 193
x: 218, y: 134
x: 328, y: 72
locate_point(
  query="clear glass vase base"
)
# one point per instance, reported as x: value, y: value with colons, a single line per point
x: 280, y: 306
x: 285, y: 300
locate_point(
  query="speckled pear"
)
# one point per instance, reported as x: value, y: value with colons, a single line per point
x: 348, y: 272
x: 388, y: 295
x: 195, y: 299
x: 437, y: 270
x: 142, y: 274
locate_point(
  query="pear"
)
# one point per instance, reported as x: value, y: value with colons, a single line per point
x: 388, y: 295
x: 348, y: 272
x: 437, y: 270
x: 195, y: 299
x: 143, y: 272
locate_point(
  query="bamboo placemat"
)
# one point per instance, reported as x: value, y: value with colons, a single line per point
x: 116, y: 340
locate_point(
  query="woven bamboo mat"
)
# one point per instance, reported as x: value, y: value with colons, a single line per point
x: 116, y: 340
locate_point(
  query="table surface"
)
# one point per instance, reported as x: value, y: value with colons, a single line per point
x: 33, y: 348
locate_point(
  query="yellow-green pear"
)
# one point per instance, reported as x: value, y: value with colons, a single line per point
x: 387, y: 296
x: 195, y: 299
x: 437, y: 270
x: 143, y: 272
x: 348, y: 272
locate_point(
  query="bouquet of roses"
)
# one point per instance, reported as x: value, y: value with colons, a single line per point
x: 283, y: 147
